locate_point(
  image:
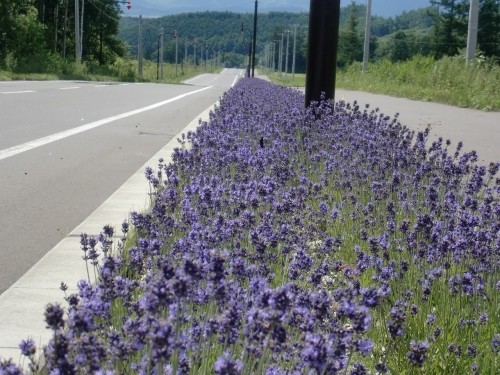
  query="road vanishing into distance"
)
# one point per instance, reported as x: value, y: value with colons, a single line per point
x: 66, y: 146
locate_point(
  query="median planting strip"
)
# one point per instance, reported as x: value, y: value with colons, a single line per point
x: 282, y: 240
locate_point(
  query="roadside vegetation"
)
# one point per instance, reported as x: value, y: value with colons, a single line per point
x: 122, y: 69
x: 284, y: 240
x: 448, y: 80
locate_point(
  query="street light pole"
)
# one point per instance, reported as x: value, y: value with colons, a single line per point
x: 254, y: 37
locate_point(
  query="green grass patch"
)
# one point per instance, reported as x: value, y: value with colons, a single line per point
x: 448, y: 80
x: 122, y: 70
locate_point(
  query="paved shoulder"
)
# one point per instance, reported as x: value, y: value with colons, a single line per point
x: 478, y: 130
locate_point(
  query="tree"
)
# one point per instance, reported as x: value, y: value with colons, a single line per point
x: 450, y: 26
x: 21, y: 35
x: 400, y: 50
x: 350, y: 43
x: 489, y: 28
x: 101, y: 22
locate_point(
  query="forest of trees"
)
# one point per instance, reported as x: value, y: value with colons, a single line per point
x: 438, y: 30
x: 36, y: 35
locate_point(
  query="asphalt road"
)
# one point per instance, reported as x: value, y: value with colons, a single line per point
x: 66, y: 146
x: 478, y: 130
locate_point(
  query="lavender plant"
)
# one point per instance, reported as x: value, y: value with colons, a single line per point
x: 327, y: 240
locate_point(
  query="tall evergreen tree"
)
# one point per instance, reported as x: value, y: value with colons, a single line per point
x: 100, y: 29
x: 489, y: 28
x: 451, y: 21
x: 400, y: 50
x: 350, y: 43
x: 450, y: 25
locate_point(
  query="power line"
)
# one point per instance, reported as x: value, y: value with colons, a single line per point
x: 103, y: 12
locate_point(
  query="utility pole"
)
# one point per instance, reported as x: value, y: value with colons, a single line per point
x: 161, y: 52
x: 139, y: 48
x: 176, y: 50
x: 64, y: 28
x: 294, y: 49
x: 77, y: 31
x: 282, y: 52
x: 56, y: 16
x: 273, y: 53
x: 194, y: 53
x: 254, y: 37
x: 81, y: 28
x: 366, y: 50
x: 286, y: 56
x: 472, y: 32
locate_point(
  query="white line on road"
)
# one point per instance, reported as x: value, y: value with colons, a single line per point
x: 69, y: 88
x: 195, y: 78
x: 235, y: 80
x: 217, y: 76
x: 17, y: 92
x: 8, y: 152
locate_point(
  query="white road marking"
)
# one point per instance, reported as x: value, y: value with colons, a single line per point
x: 195, y: 78
x: 17, y: 92
x: 235, y: 80
x: 8, y: 152
x: 217, y: 76
x: 69, y: 88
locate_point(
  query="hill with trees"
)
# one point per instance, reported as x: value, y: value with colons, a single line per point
x: 438, y: 30
x: 221, y: 32
x: 39, y: 35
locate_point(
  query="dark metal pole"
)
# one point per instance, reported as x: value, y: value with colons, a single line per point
x: 254, y: 37
x: 322, y: 50
x: 249, y: 58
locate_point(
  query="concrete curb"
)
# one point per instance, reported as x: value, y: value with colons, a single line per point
x: 22, y: 306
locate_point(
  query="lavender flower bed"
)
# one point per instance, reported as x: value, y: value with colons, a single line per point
x: 288, y: 241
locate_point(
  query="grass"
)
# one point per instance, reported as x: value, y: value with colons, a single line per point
x: 325, y: 211
x: 123, y: 70
x: 448, y: 80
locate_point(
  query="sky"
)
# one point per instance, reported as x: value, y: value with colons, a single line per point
x: 158, y: 8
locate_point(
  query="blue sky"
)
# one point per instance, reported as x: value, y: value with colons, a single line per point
x: 385, y: 8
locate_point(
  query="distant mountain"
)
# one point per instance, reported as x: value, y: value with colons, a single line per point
x: 159, y: 8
